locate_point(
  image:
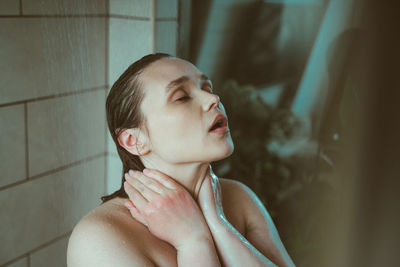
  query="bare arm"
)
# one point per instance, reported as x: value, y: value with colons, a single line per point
x: 234, y: 249
x: 263, y: 246
x: 260, y: 229
x: 198, y: 253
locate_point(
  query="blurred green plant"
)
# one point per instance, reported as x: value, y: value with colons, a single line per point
x: 254, y: 126
x: 286, y: 183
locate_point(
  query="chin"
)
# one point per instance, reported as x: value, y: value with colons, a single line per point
x: 226, y: 151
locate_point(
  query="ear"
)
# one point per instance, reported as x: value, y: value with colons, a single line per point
x: 129, y: 140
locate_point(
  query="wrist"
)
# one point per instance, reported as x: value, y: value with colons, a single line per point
x: 204, y: 239
x: 216, y: 221
x: 198, y: 253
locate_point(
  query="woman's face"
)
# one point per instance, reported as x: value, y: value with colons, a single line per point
x: 178, y: 117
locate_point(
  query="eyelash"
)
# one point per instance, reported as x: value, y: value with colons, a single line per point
x: 184, y: 99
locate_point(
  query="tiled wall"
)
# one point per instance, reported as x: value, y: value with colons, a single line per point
x: 156, y: 27
x: 58, y: 60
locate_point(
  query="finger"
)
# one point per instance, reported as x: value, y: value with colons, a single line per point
x: 135, y: 195
x: 162, y: 178
x: 147, y: 181
x: 135, y: 212
x: 147, y: 193
x: 206, y: 194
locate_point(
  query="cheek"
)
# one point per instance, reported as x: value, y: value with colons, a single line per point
x: 174, y: 129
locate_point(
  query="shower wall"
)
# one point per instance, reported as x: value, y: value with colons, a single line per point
x: 58, y: 60
x: 126, y: 47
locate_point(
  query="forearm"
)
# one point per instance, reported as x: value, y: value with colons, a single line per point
x: 233, y: 248
x: 198, y: 253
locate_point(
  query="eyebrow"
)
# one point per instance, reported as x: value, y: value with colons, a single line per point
x: 182, y: 80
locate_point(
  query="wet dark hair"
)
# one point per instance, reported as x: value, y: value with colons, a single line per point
x: 123, y: 112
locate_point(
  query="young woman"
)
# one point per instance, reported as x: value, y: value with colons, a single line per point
x: 168, y: 125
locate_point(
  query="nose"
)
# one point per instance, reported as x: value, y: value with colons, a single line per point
x: 214, y: 103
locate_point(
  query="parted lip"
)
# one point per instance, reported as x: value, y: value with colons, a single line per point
x: 219, y: 117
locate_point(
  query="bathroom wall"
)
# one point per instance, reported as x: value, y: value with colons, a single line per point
x: 58, y: 60
x: 155, y: 29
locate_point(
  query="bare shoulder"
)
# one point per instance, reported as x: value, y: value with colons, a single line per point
x: 240, y: 196
x: 260, y: 228
x: 230, y: 182
x: 104, y: 239
x: 240, y: 190
x: 243, y: 194
x: 234, y: 189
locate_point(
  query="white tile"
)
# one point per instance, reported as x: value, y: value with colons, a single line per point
x: 54, y: 254
x: 167, y: 9
x: 38, y: 211
x: 46, y: 56
x: 64, y: 130
x: 114, y: 174
x: 136, y: 8
x: 111, y: 146
x: 9, y: 7
x: 166, y: 37
x: 12, y: 143
x: 75, y: 7
x: 130, y: 40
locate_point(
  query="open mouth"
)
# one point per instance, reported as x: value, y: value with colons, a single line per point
x: 219, y: 124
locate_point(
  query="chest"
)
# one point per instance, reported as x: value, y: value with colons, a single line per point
x: 164, y: 255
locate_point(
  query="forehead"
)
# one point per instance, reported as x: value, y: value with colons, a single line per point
x: 160, y: 73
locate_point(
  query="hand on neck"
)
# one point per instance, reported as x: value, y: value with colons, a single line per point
x: 189, y: 175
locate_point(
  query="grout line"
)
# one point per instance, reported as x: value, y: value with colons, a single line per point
x: 177, y: 38
x: 53, y: 96
x: 153, y: 21
x: 58, y: 169
x: 128, y: 17
x: 105, y: 151
x: 107, y: 46
x: 48, y: 243
x: 53, y: 16
x: 20, y: 7
x: 107, y: 40
x: 27, y: 254
x: 26, y: 141
x: 113, y: 154
x: 168, y: 19
x: 75, y: 16
x: 105, y: 173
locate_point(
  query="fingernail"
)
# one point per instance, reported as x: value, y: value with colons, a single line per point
x: 145, y: 170
x: 131, y: 172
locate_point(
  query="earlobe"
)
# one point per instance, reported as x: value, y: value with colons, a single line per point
x: 143, y: 149
x: 128, y: 140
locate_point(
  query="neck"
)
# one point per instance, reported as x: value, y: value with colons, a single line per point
x: 189, y: 175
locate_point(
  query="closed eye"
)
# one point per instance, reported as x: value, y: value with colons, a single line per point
x: 182, y: 98
x: 185, y: 98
